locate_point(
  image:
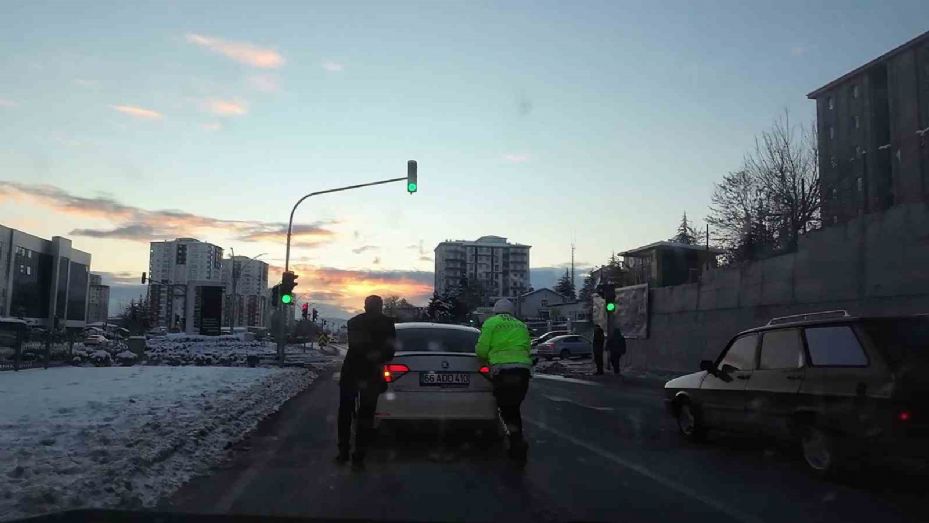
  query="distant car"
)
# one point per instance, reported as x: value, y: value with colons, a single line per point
x: 547, y: 336
x: 564, y: 347
x: 435, y: 375
x: 842, y: 386
x: 95, y: 339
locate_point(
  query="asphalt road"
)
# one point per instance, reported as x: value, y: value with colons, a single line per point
x: 599, y: 450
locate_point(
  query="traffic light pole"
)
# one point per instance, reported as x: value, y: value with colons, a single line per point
x: 281, y: 342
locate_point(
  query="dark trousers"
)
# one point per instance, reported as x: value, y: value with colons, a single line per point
x: 510, y: 387
x: 365, y: 393
x: 598, y: 360
x: 614, y: 360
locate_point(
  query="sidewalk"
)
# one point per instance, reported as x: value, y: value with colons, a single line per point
x: 585, y: 369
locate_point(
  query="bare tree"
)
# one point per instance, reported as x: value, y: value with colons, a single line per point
x: 766, y: 205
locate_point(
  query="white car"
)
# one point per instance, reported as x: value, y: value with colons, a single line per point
x: 435, y: 375
x: 95, y: 339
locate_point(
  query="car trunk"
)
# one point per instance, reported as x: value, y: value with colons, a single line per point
x: 439, y: 372
x: 905, y: 344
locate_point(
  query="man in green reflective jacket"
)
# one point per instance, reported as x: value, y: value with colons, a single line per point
x: 504, y: 344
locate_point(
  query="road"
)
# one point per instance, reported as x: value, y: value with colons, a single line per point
x: 599, y: 451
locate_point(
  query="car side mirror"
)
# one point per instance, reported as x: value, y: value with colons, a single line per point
x: 708, y: 366
x: 728, y: 369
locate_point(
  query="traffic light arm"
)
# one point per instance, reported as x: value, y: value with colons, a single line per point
x: 290, y: 223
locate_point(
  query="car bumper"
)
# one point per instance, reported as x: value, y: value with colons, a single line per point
x: 436, y: 405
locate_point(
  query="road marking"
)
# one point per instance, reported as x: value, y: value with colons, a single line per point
x: 555, y: 377
x: 734, y: 513
x: 560, y: 399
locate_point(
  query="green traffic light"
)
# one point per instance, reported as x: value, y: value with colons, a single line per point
x: 411, y: 187
x: 287, y: 298
x: 610, y: 307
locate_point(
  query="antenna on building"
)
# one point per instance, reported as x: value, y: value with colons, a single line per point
x: 572, y: 262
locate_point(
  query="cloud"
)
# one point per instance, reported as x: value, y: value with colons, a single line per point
x: 333, y: 67
x: 138, y: 112
x: 242, y: 52
x: 425, y: 258
x: 516, y: 157
x: 798, y: 50
x: 120, y: 277
x: 226, y: 107
x: 418, y: 247
x: 211, y: 126
x: 7, y: 103
x: 523, y: 105
x: 137, y: 224
x: 264, y: 83
x: 365, y: 248
x: 86, y: 84
x: 376, y: 260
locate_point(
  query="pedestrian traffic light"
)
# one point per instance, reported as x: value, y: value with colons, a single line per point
x: 411, y: 183
x: 315, y: 314
x: 288, y: 282
x: 306, y: 310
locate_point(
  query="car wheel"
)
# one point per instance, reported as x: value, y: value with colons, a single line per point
x: 564, y: 354
x: 689, y: 423
x: 820, y: 450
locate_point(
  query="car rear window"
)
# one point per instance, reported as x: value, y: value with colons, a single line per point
x: 835, y: 346
x: 904, y: 340
x: 436, y: 340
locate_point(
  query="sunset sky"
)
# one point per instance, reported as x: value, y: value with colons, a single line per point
x: 127, y: 122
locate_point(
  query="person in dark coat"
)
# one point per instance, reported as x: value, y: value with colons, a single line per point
x: 371, y: 338
x: 616, y: 344
x: 599, y: 339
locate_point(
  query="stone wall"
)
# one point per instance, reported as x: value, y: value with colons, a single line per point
x: 875, y: 264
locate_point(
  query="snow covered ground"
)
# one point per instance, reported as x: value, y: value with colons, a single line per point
x: 124, y: 436
x: 183, y: 349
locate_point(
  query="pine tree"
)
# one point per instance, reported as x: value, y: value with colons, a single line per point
x: 565, y: 286
x: 685, y: 233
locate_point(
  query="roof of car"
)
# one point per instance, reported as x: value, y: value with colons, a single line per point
x: 430, y: 325
x: 827, y: 321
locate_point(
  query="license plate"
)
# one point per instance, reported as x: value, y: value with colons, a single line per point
x: 449, y: 379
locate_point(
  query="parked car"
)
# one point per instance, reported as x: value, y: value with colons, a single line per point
x: 95, y: 339
x: 547, y: 336
x: 564, y: 347
x: 435, y: 375
x: 839, y: 385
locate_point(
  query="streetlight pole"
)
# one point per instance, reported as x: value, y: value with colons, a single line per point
x: 410, y: 178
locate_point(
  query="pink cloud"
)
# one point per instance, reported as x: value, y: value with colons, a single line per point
x: 242, y: 52
x: 333, y: 67
x: 226, y: 107
x: 138, y: 112
x: 7, y: 103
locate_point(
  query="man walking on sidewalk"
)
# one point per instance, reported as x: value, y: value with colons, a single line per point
x: 504, y: 344
x: 616, y: 344
x: 371, y: 337
x: 599, y: 338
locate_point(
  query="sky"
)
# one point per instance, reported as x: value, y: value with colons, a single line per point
x: 544, y: 122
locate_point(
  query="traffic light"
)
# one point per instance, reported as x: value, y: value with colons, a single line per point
x: 411, y: 183
x: 275, y: 295
x: 608, y: 293
x: 315, y: 314
x: 288, y: 282
x: 306, y: 310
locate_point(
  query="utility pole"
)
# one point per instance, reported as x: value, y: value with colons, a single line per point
x: 572, y: 263
x: 412, y: 186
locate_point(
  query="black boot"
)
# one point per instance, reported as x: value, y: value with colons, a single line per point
x: 342, y: 457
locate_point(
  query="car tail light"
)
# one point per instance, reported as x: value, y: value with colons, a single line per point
x: 393, y: 371
x: 904, y: 415
x: 485, y: 371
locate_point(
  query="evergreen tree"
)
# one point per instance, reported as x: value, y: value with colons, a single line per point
x: 565, y: 286
x: 685, y: 233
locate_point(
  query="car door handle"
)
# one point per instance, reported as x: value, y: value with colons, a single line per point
x: 794, y: 378
x: 742, y: 377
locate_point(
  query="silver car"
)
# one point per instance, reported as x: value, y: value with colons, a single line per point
x: 435, y: 375
x: 564, y: 347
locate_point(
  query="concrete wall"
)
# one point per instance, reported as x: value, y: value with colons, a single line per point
x: 875, y: 264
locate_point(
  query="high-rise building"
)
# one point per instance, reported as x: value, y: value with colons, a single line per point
x: 498, y: 268
x: 98, y: 300
x: 184, y: 274
x: 873, y: 134
x: 246, y: 282
x: 43, y: 281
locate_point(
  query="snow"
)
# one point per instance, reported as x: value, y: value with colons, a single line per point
x: 124, y: 436
x: 183, y: 349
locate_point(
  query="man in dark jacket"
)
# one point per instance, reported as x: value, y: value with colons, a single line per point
x: 370, y: 344
x: 616, y: 344
x: 599, y: 338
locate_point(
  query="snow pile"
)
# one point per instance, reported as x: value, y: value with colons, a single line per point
x: 570, y: 368
x: 183, y: 349
x: 124, y: 436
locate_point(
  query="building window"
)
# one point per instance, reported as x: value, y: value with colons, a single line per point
x: 831, y: 103
x: 855, y: 91
x: 831, y: 132
x: 545, y: 303
x: 860, y: 184
x: 857, y: 121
